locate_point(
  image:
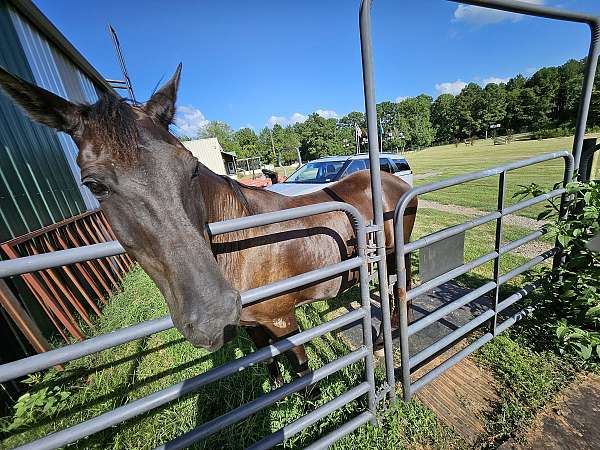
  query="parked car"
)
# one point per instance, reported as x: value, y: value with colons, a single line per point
x: 322, y: 172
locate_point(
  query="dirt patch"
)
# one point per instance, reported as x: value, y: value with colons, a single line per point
x: 571, y: 422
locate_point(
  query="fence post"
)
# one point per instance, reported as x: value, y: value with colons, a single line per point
x: 587, y: 158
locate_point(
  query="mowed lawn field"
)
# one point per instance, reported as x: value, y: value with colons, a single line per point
x: 437, y: 163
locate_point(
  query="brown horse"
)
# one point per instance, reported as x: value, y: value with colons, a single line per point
x: 158, y: 199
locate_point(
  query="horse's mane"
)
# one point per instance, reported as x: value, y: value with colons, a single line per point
x: 112, y: 119
x: 236, y: 187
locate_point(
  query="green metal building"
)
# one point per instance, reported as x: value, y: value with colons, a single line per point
x: 39, y: 179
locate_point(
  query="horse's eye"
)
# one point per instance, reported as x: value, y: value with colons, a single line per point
x: 97, y: 188
x: 196, y: 171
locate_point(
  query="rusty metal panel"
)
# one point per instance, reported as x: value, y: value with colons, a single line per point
x: 441, y: 257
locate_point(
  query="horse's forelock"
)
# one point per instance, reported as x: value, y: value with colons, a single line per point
x: 111, y: 121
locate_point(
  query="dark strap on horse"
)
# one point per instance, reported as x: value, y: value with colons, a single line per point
x: 235, y: 185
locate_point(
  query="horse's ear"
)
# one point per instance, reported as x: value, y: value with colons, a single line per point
x: 41, y: 105
x: 161, y: 106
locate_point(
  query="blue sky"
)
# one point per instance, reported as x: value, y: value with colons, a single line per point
x: 262, y: 62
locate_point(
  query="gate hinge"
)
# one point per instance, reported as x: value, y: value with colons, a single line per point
x: 372, y: 228
x: 381, y: 393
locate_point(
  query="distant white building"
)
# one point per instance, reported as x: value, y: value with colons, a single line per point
x: 210, y: 153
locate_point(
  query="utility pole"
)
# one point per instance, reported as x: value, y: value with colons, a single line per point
x: 273, y: 147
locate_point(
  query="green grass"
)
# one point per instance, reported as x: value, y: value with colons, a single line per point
x: 448, y: 161
x: 117, y: 376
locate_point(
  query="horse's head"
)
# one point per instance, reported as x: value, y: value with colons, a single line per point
x: 146, y: 182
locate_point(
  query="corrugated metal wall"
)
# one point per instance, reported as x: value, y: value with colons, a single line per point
x: 39, y: 179
x: 54, y: 72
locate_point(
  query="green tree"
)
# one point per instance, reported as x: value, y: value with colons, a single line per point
x: 285, y: 142
x: 515, y: 115
x: 494, y: 105
x: 569, y: 91
x: 413, y: 120
x: 319, y: 137
x: 353, y: 118
x: 469, y: 106
x: 224, y: 134
x: 247, y: 141
x: 444, y: 118
x: 540, y: 101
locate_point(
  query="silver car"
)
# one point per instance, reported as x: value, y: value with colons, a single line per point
x: 322, y: 172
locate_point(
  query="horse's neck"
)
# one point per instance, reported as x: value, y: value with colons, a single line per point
x: 220, y: 199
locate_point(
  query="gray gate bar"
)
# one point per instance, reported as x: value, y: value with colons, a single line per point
x: 453, y: 360
x: 279, y: 287
x: 41, y: 361
x: 522, y: 241
x: 436, y: 315
x: 520, y: 294
x: 439, y: 345
x: 450, y: 275
x: 51, y: 358
x: 166, y: 395
x: 327, y: 441
x: 241, y: 412
x: 58, y: 258
x: 305, y: 421
x: 402, y: 249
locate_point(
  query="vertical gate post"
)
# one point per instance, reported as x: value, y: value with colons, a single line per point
x: 497, y: 246
x: 366, y: 49
x: 586, y: 95
x: 587, y: 159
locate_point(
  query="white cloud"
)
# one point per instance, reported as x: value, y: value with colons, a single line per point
x: 401, y: 98
x: 327, y: 113
x: 494, y: 80
x: 189, y: 121
x: 274, y: 120
x: 285, y: 121
x: 477, y: 15
x: 297, y: 118
x: 531, y: 70
x: 450, y: 87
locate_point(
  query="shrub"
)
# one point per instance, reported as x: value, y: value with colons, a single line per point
x: 570, y: 300
x: 553, y: 133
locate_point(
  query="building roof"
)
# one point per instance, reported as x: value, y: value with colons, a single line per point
x: 208, y: 152
x: 43, y: 24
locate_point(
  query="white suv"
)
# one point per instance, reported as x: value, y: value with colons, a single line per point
x: 322, y: 172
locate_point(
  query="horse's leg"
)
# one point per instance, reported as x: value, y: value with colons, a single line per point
x: 260, y: 337
x: 283, y: 327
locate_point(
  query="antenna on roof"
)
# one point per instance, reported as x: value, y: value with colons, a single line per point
x: 125, y: 83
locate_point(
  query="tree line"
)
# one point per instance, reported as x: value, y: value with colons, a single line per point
x: 546, y: 104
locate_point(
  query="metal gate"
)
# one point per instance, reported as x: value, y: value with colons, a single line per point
x: 410, y: 363
x: 365, y: 352
x: 572, y: 163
